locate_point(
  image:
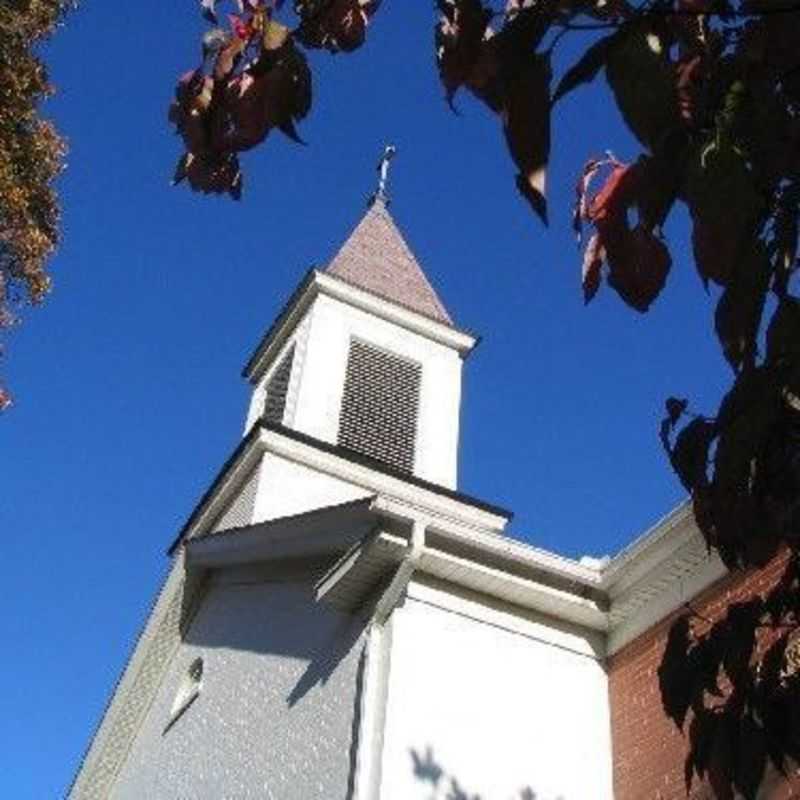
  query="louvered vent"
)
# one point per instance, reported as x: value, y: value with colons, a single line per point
x: 239, y: 511
x: 277, y: 389
x: 380, y: 405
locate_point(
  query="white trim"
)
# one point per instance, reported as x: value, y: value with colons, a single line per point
x: 405, y: 494
x: 671, y: 583
x: 392, y: 312
x: 390, y: 597
x: 657, y: 544
x: 646, y: 581
x: 233, y: 480
x: 517, y: 591
x: 529, y: 624
x: 373, y: 701
x: 338, y: 289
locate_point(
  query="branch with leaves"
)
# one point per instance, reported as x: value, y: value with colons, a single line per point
x: 734, y: 686
x: 254, y: 77
x: 31, y: 156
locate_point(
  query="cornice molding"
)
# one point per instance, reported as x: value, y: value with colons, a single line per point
x: 644, y: 583
x: 318, y: 283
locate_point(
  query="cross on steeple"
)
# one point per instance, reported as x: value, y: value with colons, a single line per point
x: 383, y: 175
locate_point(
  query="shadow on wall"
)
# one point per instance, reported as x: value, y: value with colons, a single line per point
x: 444, y: 786
x: 296, y: 628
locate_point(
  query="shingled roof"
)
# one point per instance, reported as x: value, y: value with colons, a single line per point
x: 376, y: 257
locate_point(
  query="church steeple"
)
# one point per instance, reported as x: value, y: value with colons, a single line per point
x: 366, y: 358
x: 377, y: 258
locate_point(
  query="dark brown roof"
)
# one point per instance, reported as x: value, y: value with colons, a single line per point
x: 376, y: 258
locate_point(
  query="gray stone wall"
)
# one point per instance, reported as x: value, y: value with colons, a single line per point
x: 276, y: 715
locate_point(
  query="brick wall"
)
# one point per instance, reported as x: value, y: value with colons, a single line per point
x: 649, y: 751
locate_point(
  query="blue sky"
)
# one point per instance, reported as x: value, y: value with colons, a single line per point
x: 128, y: 396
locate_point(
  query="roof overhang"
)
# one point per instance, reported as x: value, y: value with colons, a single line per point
x: 324, y: 531
x: 465, y: 544
x: 374, y: 477
x: 643, y: 585
x: 318, y: 283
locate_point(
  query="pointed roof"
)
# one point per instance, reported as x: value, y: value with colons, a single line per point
x: 377, y: 258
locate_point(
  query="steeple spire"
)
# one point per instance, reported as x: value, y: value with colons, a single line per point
x: 377, y: 258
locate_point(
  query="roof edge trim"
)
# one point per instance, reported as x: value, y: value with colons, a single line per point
x: 317, y: 282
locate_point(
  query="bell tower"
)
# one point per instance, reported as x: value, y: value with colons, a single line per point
x: 267, y: 650
x: 365, y: 356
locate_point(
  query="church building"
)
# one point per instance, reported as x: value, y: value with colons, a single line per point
x: 340, y: 622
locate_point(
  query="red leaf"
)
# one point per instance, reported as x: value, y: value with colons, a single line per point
x: 229, y: 57
x: 214, y: 174
x: 188, y: 112
x: 592, y: 268
x: 275, y: 95
x: 459, y: 36
x: 638, y: 261
x: 639, y: 268
x: 336, y: 25
x: 580, y: 211
x: 616, y: 196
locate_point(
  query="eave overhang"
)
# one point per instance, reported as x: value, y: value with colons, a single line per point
x: 342, y: 463
x: 318, y: 283
x: 643, y: 585
x: 321, y: 532
x: 465, y: 544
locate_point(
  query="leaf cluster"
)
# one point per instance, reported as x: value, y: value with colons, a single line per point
x: 734, y: 686
x: 742, y: 467
x: 31, y: 156
x: 711, y: 90
x: 254, y: 77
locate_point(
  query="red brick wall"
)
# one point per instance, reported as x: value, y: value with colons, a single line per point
x: 649, y: 751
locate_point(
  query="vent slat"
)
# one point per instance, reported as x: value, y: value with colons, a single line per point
x: 380, y: 405
x: 278, y: 389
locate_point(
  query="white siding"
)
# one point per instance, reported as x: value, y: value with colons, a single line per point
x: 287, y: 488
x: 485, y: 703
x: 276, y: 714
x: 239, y: 510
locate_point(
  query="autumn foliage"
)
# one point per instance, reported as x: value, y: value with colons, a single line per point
x: 733, y: 686
x: 711, y: 91
x: 253, y: 77
x: 31, y: 156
